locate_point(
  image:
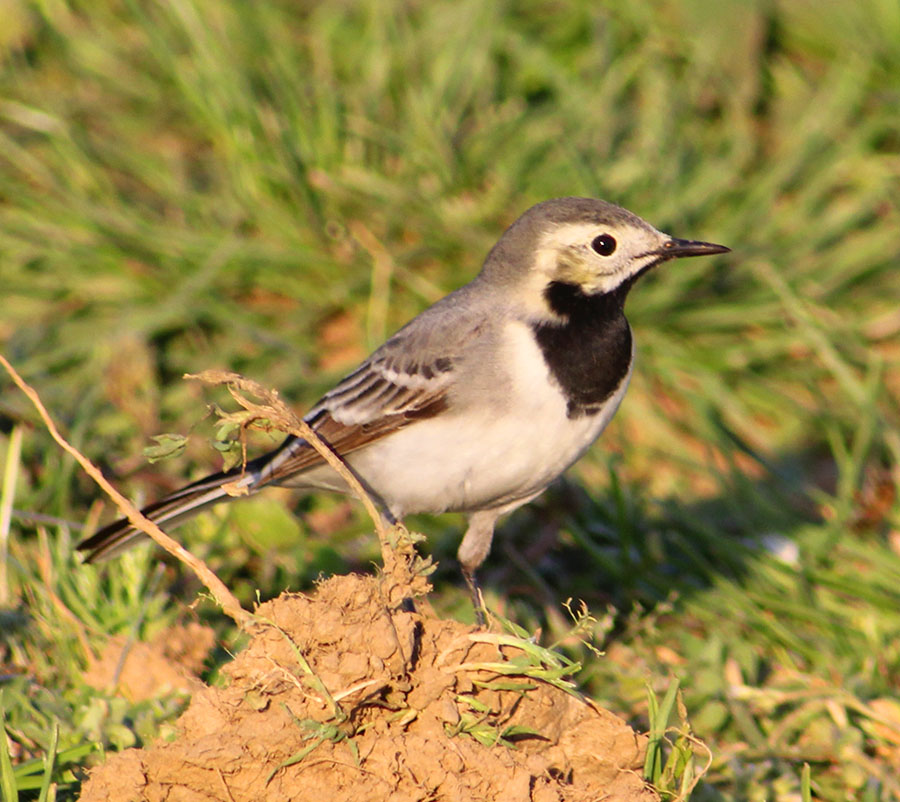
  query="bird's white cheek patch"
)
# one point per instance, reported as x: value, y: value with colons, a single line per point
x: 572, y: 267
x: 561, y: 254
x: 565, y: 254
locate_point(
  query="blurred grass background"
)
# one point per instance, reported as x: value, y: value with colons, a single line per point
x: 275, y: 187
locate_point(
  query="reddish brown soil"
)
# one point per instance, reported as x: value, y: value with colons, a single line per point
x: 171, y: 662
x: 406, y: 689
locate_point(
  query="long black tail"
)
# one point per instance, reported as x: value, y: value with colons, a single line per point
x: 178, y: 506
x: 288, y: 461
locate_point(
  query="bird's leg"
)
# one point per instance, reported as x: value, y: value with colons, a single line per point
x: 476, y: 596
x: 474, y: 548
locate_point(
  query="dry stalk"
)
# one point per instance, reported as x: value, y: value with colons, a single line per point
x: 216, y: 587
x: 284, y: 419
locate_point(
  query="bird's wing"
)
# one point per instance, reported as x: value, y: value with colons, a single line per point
x: 369, y: 404
x: 406, y: 380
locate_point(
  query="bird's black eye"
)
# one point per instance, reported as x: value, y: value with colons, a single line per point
x: 604, y: 244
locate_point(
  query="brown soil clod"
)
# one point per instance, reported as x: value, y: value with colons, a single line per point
x: 171, y: 662
x: 352, y: 693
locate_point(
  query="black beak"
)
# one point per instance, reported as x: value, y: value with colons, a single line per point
x: 676, y: 248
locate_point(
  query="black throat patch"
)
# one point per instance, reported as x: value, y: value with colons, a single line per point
x: 589, y: 352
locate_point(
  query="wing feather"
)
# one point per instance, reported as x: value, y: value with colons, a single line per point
x: 361, y: 409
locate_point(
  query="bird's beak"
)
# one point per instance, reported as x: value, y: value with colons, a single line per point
x: 676, y: 248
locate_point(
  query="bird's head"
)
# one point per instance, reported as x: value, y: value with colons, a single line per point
x: 588, y: 245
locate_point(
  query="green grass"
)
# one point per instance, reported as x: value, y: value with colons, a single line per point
x: 274, y: 189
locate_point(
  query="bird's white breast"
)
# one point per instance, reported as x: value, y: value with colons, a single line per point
x: 490, y: 452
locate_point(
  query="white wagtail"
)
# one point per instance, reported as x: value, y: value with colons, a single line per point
x: 485, y: 398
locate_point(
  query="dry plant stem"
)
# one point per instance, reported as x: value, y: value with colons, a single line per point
x: 284, y: 419
x: 221, y: 594
x: 6, y: 501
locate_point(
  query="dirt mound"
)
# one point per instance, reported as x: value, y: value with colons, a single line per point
x: 172, y: 661
x: 348, y: 695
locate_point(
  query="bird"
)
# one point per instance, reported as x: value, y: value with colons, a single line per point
x: 482, y: 400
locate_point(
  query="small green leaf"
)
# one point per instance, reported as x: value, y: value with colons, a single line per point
x: 227, y: 430
x: 49, y: 760
x: 354, y: 750
x: 805, y: 784
x: 474, y: 704
x: 231, y: 451
x: 8, y: 790
x: 504, y: 685
x: 517, y: 729
x: 295, y: 758
x: 167, y: 446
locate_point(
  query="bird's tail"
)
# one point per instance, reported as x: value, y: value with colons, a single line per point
x: 176, y: 507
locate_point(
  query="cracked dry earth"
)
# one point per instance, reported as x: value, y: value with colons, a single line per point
x: 407, y: 700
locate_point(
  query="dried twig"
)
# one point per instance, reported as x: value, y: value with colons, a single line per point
x: 404, y: 571
x: 215, y: 586
x: 283, y: 418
